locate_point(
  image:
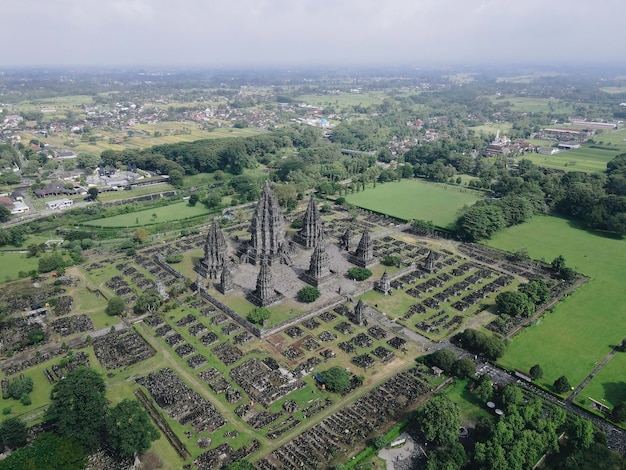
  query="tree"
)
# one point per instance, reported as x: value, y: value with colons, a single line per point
x: 92, y: 193
x: 193, y: 199
x: 13, y: 433
x: 258, y: 315
x: 129, y: 429
x: 87, y: 160
x: 464, y: 367
x: 451, y: 457
x: 439, y: 419
x: 484, y: 388
x: 5, y: 214
x: 536, y: 372
x: 49, y: 451
x: 391, y: 260
x: 558, y: 263
x: 514, y: 304
x: 619, y: 412
x: 308, y: 294
x: 562, y: 385
x: 336, y: 379
x: 238, y: 465
x: 115, y: 306
x: 79, y: 404
x: 443, y: 358
x: 379, y: 442
x: 149, y: 302
x: 20, y: 387
x: 141, y: 235
x: 512, y: 395
x: 580, y: 433
x: 51, y: 262
x: 536, y: 290
x: 359, y: 274
x: 480, y: 221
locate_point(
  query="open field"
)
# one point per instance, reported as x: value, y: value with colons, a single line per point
x: 176, y: 211
x: 580, y: 331
x: 609, y: 385
x: 344, y: 99
x: 143, y: 136
x: 503, y: 127
x: 12, y: 262
x: 590, y: 160
x: 416, y: 199
x: 534, y: 105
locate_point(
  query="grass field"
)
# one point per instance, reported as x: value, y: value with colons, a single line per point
x: 589, y: 160
x: 143, y: 136
x: 609, y: 386
x: 11, y: 263
x: 581, y: 330
x: 177, y: 211
x: 534, y: 105
x: 416, y: 199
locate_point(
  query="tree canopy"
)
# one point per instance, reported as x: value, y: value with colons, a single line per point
x: 439, y: 419
x: 115, y: 306
x: 129, y: 429
x: 79, y: 405
x: 336, y: 379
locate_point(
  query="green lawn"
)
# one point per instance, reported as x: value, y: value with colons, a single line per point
x: 469, y: 405
x: 416, y: 199
x: 587, y: 159
x: 177, y: 211
x: 609, y: 385
x: 581, y: 330
x: 11, y: 263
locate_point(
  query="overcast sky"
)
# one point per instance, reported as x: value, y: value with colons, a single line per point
x: 311, y: 32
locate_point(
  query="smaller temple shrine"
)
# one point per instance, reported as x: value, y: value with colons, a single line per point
x: 364, y: 255
x: 215, y: 251
x: 264, y: 294
x: 384, y: 285
x: 319, y: 267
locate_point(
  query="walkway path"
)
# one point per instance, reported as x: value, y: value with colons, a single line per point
x: 593, y: 373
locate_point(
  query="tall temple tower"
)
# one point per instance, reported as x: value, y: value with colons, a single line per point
x: 311, y: 230
x: 264, y: 294
x: 266, y: 229
x: 215, y: 251
x: 359, y: 313
x: 364, y: 255
x: 429, y: 262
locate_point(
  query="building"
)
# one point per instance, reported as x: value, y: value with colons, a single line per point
x: 20, y: 207
x: 59, y: 204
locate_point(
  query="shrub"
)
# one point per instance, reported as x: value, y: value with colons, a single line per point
x: 19, y: 387
x: 174, y: 258
x: 391, y: 260
x: 562, y: 385
x: 359, y: 274
x: 308, y: 294
x: 258, y: 315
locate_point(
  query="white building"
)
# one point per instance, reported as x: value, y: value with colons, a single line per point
x: 59, y: 204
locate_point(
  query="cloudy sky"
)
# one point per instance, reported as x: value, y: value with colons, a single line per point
x: 311, y: 32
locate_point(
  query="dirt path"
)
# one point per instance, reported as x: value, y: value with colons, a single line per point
x: 593, y: 373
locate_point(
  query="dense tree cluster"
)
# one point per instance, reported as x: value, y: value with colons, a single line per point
x: 336, y: 379
x: 308, y: 294
x: 481, y: 343
x: 258, y: 315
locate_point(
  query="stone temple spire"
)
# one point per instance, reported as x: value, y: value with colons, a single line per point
x: 429, y: 262
x: 264, y: 294
x: 319, y: 267
x: 214, y: 253
x: 384, y: 285
x: 311, y: 230
x: 359, y: 313
x: 344, y: 241
x: 266, y: 229
x: 364, y: 255
x: 226, y: 280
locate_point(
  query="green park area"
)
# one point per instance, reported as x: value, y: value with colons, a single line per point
x: 12, y: 262
x: 416, y: 199
x: 608, y: 386
x: 590, y: 159
x: 176, y: 211
x: 581, y: 330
